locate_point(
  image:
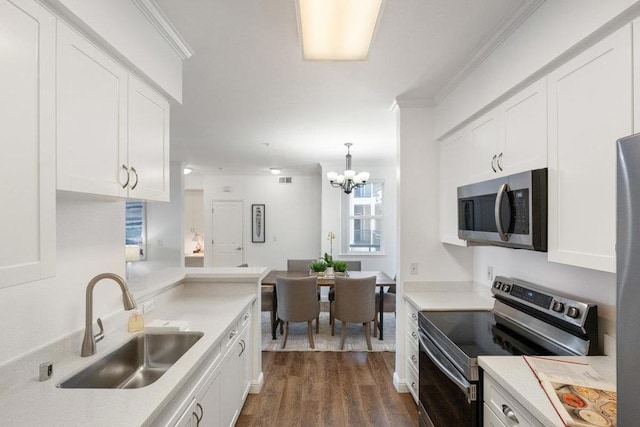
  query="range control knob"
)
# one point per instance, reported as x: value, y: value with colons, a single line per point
x: 505, y: 287
x: 573, y: 312
x: 557, y: 307
x: 497, y: 285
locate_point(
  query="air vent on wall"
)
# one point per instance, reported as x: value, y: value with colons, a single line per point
x: 284, y: 180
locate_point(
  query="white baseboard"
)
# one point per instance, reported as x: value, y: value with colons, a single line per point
x: 400, y: 384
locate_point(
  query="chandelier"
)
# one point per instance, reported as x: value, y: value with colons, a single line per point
x: 349, y: 179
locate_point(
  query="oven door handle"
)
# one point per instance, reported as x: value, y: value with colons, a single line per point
x: 498, y: 212
x: 446, y: 367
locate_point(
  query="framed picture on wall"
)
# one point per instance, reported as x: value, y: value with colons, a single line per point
x: 257, y: 224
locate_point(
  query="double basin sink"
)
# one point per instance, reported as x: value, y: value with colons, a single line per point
x: 137, y: 363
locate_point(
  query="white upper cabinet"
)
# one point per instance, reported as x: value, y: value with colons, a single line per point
x: 512, y: 137
x: 91, y: 118
x: 454, y: 172
x: 485, y: 146
x: 27, y: 138
x: 590, y: 107
x: 112, y: 130
x: 148, y: 155
x: 524, y: 127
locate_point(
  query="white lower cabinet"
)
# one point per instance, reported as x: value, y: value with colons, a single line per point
x: 502, y: 409
x: 412, y: 349
x: 215, y: 393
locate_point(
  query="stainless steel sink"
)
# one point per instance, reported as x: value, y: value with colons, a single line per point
x: 138, y: 363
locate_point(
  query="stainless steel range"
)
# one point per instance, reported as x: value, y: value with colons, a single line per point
x: 525, y: 320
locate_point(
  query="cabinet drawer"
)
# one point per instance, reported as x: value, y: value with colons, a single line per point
x: 505, y: 407
x: 413, y: 356
x: 412, y: 381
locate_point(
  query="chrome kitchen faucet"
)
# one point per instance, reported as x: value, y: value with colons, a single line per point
x: 89, y: 341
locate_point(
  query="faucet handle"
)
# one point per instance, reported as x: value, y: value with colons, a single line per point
x: 100, y: 335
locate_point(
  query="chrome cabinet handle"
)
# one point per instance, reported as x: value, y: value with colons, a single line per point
x: 133, y: 187
x: 508, y: 412
x: 414, y: 359
x: 126, y: 169
x: 414, y: 316
x: 243, y: 346
x: 199, y: 418
x: 413, y: 386
x: 499, y: 162
x: 232, y: 334
x: 493, y: 163
x: 246, y: 316
x: 414, y: 335
x: 498, y: 210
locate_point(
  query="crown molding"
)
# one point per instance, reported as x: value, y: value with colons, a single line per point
x: 161, y: 22
x: 501, y: 32
x: 410, y: 102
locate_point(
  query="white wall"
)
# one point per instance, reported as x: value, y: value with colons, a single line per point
x: 555, y: 27
x: 90, y: 241
x: 418, y: 204
x: 292, y: 215
x: 332, y: 199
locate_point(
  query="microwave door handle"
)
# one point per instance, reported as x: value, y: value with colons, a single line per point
x: 497, y: 212
x: 457, y: 378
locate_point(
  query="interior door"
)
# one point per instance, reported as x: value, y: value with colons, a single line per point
x: 227, y: 247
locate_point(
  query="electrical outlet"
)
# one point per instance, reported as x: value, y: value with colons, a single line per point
x: 490, y: 273
x: 414, y: 268
x: 147, y: 306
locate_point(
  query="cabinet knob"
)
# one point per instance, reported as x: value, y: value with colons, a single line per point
x: 508, y: 412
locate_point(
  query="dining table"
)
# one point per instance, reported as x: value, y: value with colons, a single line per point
x: 382, y: 280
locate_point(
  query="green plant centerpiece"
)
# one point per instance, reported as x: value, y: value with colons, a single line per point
x: 328, y: 259
x: 319, y: 267
x: 340, y: 268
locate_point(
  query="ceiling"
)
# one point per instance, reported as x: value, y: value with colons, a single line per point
x: 250, y: 102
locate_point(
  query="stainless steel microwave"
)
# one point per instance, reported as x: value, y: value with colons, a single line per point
x: 510, y: 211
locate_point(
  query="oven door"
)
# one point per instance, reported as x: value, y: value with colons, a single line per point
x: 446, y: 397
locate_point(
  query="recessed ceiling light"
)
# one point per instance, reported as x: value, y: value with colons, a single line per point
x: 337, y: 30
x: 275, y: 171
x: 187, y: 171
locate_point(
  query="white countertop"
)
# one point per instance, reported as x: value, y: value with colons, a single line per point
x: 513, y: 373
x: 30, y: 402
x: 440, y: 296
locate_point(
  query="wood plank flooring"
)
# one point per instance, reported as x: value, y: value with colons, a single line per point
x: 328, y: 389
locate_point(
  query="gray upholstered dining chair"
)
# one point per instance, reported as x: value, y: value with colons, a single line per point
x: 299, y: 265
x: 297, y: 302
x: 354, y: 303
x: 388, y: 305
x: 351, y: 266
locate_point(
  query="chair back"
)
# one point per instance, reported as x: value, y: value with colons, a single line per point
x: 297, y: 298
x: 355, y: 299
x: 299, y: 265
x: 354, y: 265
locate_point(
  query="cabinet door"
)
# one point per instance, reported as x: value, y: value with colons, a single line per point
x: 27, y: 137
x: 148, y: 153
x: 209, y: 409
x: 485, y: 146
x: 524, y: 127
x: 454, y: 170
x: 91, y: 117
x: 189, y: 417
x: 230, y: 383
x: 245, y: 366
x: 590, y: 107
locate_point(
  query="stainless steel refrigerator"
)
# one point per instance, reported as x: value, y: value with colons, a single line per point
x: 628, y: 280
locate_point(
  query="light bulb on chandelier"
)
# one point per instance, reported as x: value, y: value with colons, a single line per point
x: 349, y: 179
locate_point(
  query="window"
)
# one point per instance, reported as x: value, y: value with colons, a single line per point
x: 362, y: 219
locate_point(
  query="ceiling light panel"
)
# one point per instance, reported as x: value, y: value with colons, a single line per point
x: 337, y: 30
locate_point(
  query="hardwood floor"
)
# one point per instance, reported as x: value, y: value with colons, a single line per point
x: 328, y: 389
